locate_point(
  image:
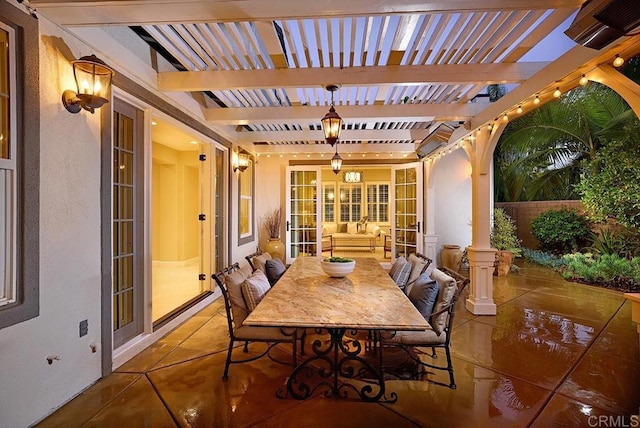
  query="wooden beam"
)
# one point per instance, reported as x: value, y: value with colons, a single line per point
x: 351, y: 114
x: 346, y: 135
x: 149, y: 12
x: 212, y: 80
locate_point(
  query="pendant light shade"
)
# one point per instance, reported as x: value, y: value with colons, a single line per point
x: 331, y: 122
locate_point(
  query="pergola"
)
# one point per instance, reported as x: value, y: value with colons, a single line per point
x: 260, y: 69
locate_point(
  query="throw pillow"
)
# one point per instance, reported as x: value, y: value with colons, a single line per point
x: 401, y: 275
x: 362, y: 228
x: 274, y: 270
x: 417, y: 264
x: 448, y: 288
x: 423, y: 295
x: 373, y: 229
x: 239, y: 309
x: 331, y: 228
x: 254, y: 289
x: 400, y: 261
x: 352, y: 228
x: 259, y: 261
x: 342, y: 228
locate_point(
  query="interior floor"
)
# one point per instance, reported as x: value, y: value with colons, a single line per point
x: 557, y: 354
x: 173, y: 285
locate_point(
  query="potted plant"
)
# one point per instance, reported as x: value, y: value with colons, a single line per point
x: 505, y: 240
x: 271, y: 223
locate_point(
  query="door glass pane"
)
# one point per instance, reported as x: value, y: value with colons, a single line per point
x: 302, y: 209
x: 406, y: 212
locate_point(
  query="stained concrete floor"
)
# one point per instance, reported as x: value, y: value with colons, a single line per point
x: 557, y: 354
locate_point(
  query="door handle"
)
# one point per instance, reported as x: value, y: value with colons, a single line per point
x: 287, y: 225
x: 418, y: 227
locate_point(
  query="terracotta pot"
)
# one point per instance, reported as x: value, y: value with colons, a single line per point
x: 504, y: 259
x: 451, y: 256
x: 275, y: 247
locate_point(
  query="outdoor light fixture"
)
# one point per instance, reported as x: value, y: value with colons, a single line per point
x: 583, y: 80
x: 331, y: 122
x: 557, y: 93
x: 242, y: 162
x: 519, y: 110
x: 536, y: 100
x: 618, y: 61
x: 336, y: 162
x: 505, y: 118
x: 93, y: 81
x: 353, y: 177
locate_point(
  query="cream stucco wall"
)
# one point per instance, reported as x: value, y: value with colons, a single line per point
x: 452, y: 210
x: 69, y: 254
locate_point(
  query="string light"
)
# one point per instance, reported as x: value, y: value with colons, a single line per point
x: 618, y: 61
x: 536, y: 100
x: 557, y: 93
x: 505, y: 118
x: 583, y: 80
x: 519, y: 110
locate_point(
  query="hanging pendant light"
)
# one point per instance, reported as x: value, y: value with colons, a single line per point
x: 331, y: 122
x: 336, y: 162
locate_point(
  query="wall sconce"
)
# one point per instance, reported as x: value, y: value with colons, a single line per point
x: 242, y: 162
x: 93, y: 81
x: 353, y: 177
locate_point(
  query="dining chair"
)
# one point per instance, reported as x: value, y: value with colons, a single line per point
x: 231, y: 280
x: 451, y: 285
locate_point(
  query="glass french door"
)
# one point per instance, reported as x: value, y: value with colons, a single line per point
x: 127, y: 224
x: 407, y: 209
x: 303, y: 212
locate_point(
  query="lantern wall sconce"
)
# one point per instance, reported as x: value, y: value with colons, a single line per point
x: 331, y: 122
x: 241, y: 163
x: 93, y: 82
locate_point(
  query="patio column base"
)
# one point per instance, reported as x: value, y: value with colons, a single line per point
x: 481, y: 266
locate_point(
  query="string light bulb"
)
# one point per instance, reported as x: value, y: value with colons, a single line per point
x: 536, y: 100
x: 557, y: 93
x: 519, y: 110
x: 489, y: 126
x: 618, y: 61
x: 505, y: 118
x: 583, y: 80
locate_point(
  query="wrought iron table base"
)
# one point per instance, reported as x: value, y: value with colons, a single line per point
x: 335, y: 365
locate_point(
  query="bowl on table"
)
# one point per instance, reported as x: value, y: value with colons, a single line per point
x: 337, y: 267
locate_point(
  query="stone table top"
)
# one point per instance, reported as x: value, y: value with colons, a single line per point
x: 367, y: 299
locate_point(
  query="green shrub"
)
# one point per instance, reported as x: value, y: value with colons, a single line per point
x: 561, y: 231
x: 609, y: 270
x: 620, y: 240
x: 503, y: 233
x: 543, y: 258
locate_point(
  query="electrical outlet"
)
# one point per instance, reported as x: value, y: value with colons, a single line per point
x: 84, y: 327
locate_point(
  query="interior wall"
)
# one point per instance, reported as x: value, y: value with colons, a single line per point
x: 452, y: 187
x: 69, y: 254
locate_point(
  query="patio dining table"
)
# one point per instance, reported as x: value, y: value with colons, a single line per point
x: 366, y: 300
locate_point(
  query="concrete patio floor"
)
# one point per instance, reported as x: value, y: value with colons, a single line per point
x: 557, y: 354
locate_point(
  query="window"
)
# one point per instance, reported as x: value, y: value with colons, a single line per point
x: 328, y: 203
x: 19, y: 166
x: 378, y: 202
x: 350, y: 202
x: 245, y: 221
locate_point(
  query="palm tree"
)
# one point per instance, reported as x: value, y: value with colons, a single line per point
x: 540, y: 154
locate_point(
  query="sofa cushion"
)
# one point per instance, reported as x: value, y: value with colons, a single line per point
x: 400, y: 261
x: 423, y: 295
x: 352, y: 228
x: 255, y: 288
x: 448, y: 288
x: 259, y: 261
x: 401, y: 275
x: 274, y: 269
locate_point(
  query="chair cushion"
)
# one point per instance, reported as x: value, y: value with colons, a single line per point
x: 400, y: 261
x: 274, y: 270
x: 259, y: 261
x: 423, y: 295
x: 447, y: 286
x: 414, y: 338
x: 254, y: 289
x: 401, y: 275
x: 233, y: 282
x: 417, y: 264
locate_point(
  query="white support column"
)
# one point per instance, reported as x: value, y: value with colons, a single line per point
x: 430, y: 237
x: 481, y: 255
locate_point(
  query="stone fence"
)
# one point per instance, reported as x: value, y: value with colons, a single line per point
x: 524, y: 212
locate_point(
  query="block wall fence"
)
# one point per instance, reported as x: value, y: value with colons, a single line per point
x: 524, y: 212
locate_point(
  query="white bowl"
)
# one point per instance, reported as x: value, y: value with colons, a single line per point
x: 338, y: 269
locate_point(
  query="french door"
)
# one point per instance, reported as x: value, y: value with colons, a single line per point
x: 406, y: 208
x: 302, y: 212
